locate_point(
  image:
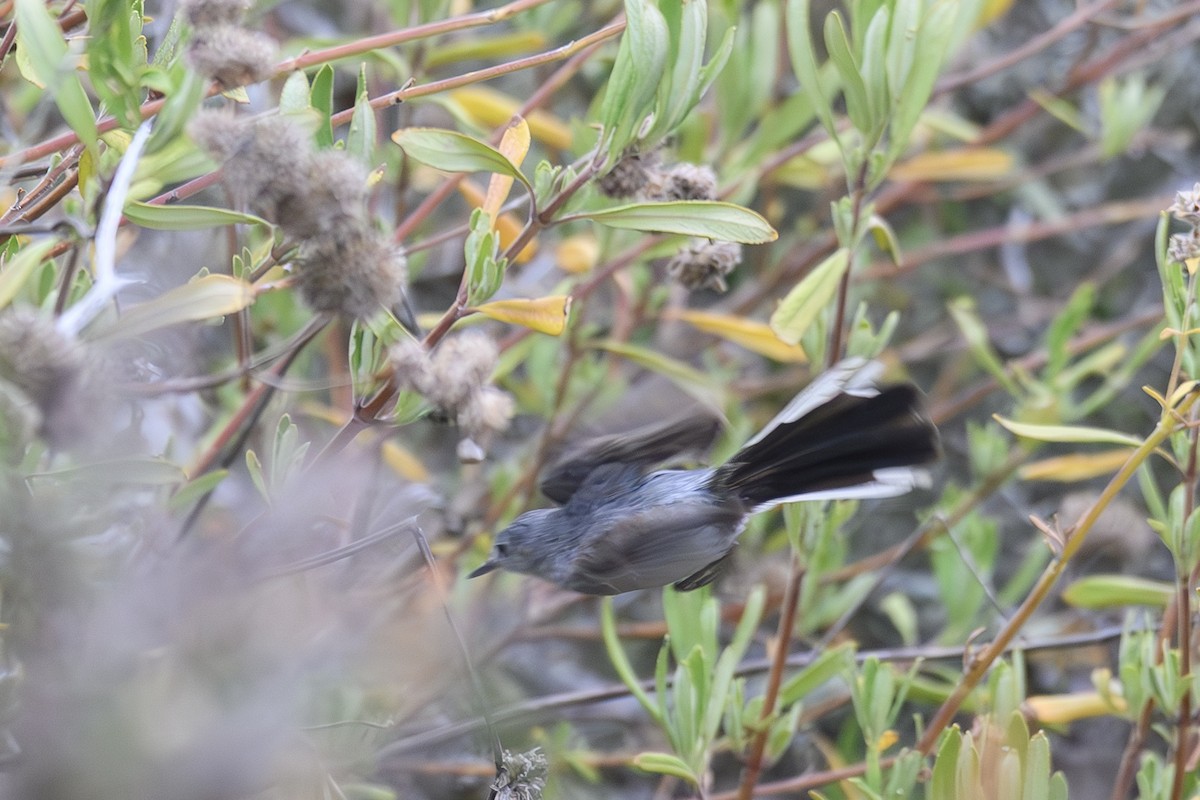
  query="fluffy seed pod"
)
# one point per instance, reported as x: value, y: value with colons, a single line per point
x: 686, y: 182
x: 412, y: 365
x: 267, y: 160
x: 488, y: 411
x: 333, y: 194
x: 1186, y: 207
x: 354, y: 271
x: 462, y: 366
x: 232, y: 55
x: 47, y: 367
x: 705, y: 265
x: 208, y: 13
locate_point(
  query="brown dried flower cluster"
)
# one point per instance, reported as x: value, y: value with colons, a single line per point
x: 456, y: 378
x: 319, y: 198
x: 701, y: 265
x: 643, y: 175
x: 1185, y: 247
x: 223, y: 49
x: 42, y: 377
x: 704, y: 264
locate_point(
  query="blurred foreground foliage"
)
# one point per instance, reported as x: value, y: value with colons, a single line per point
x: 288, y: 291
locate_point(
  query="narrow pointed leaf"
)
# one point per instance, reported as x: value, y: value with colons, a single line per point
x: 1068, y: 433
x: 185, y: 217
x: 20, y: 267
x: 707, y: 218
x: 205, y: 298
x: 807, y: 299
x: 750, y: 334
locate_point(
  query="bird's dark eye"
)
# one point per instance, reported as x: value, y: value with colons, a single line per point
x: 501, y: 549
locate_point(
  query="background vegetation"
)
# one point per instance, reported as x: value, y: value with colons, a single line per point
x: 296, y: 301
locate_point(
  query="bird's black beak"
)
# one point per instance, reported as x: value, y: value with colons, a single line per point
x: 487, y: 567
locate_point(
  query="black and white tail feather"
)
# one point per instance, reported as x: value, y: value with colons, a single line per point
x: 840, y: 438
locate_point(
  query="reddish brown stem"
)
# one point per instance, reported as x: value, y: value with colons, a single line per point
x: 787, y: 623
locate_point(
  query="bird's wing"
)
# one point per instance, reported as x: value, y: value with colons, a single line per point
x: 653, y: 547
x: 645, y: 447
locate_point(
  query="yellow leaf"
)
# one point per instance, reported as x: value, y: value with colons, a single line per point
x: 1076, y: 466
x: 507, y: 225
x: 404, y: 463
x: 513, y: 145
x: 577, y: 254
x: 754, y: 336
x: 543, y: 314
x: 1062, y: 708
x: 491, y: 108
x: 991, y: 11
x: 965, y: 164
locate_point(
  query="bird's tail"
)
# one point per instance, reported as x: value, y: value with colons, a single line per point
x: 839, y: 438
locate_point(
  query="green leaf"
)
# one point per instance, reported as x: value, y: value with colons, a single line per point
x: 620, y: 661
x: 51, y: 66
x: 1115, y: 591
x: 1068, y: 433
x: 963, y: 312
x: 321, y: 97
x: 1037, y: 766
x: 293, y: 99
x: 22, y: 265
x: 122, y: 471
x: 809, y: 297
x: 944, y: 783
x: 360, y: 140
x: 885, y: 238
x: 826, y: 666
x: 858, y: 106
x: 180, y: 106
x: 1064, y: 326
x: 928, y: 53
x: 690, y: 379
x: 665, y: 764
x: 804, y: 64
x: 255, y: 468
x: 185, y: 217
x: 706, y: 218
x: 451, y: 151
x: 637, y: 71
x: 193, y: 490
x: 201, y: 299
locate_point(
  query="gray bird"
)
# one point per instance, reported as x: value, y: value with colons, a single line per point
x: 622, y: 527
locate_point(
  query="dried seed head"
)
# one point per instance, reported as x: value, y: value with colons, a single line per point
x: 486, y: 412
x: 462, y: 366
x: 631, y: 174
x: 685, y: 182
x: 232, y: 55
x: 523, y: 776
x: 1186, y: 207
x: 705, y: 265
x: 412, y: 365
x: 207, y: 13
x: 1184, y: 247
x: 266, y: 160
x: 353, y: 271
x: 46, y: 366
x: 331, y: 195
